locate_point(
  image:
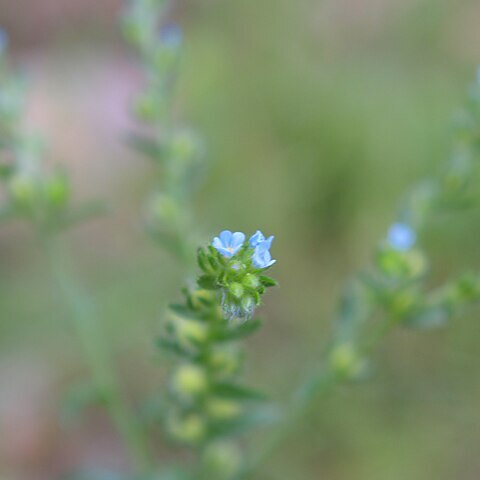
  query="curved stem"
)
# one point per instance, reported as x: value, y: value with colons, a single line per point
x: 98, y: 356
x: 317, y: 384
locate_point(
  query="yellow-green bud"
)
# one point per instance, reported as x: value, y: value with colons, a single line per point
x: 23, y: 189
x: 251, y: 281
x: 225, y: 361
x: 344, y: 361
x: 56, y: 190
x: 184, y: 145
x: 402, y: 302
x: 222, y: 460
x: 163, y: 209
x: 190, y: 381
x: 190, y: 332
x: 199, y: 297
x: 236, y: 289
x: 147, y: 107
x: 187, y: 429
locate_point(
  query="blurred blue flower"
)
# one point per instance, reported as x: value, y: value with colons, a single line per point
x: 228, y: 243
x: 261, y: 257
x: 171, y: 35
x: 401, y: 236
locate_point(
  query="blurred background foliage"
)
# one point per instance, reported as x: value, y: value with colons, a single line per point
x: 318, y: 115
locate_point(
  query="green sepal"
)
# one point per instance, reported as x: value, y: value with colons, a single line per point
x: 208, y: 282
x: 173, y: 347
x: 184, y: 311
x: 202, y: 260
x: 268, y: 281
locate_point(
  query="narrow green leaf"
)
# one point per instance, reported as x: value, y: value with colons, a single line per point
x: 268, y: 281
x: 229, y: 390
x: 208, y: 282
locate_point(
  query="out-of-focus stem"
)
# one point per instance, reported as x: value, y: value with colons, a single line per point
x: 319, y: 383
x: 97, y: 353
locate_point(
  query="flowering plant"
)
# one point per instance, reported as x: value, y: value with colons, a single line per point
x: 205, y: 403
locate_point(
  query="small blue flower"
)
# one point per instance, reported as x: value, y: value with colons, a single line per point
x: 401, y: 237
x: 171, y: 35
x: 228, y: 243
x: 261, y: 257
x: 256, y: 238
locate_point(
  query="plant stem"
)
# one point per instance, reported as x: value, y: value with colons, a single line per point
x: 98, y: 356
x: 319, y: 383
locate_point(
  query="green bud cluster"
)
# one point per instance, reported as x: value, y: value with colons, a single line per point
x: 35, y: 191
x: 177, y: 151
x: 208, y: 403
x: 240, y: 283
x: 394, y: 290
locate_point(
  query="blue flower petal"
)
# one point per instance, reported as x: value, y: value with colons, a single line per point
x: 256, y: 238
x: 226, y: 237
x: 217, y: 243
x: 237, y: 239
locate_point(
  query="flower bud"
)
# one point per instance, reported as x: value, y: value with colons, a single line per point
x: 163, y: 210
x: 221, y: 460
x: 56, y: 190
x: 236, y: 290
x: 190, y: 333
x: 23, y: 189
x: 184, y: 146
x: 403, y: 302
x: 149, y: 107
x: 225, y: 361
x: 251, y: 281
x: 401, y: 264
x: 248, y: 306
x: 345, y: 361
x: 191, y: 428
x: 190, y: 381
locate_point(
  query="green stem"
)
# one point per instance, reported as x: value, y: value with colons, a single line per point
x: 317, y: 385
x: 98, y: 356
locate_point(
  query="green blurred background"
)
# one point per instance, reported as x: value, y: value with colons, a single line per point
x: 318, y: 115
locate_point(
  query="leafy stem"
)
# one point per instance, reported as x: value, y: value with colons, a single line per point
x: 98, y: 356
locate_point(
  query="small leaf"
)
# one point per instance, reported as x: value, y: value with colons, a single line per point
x: 202, y: 259
x: 229, y: 390
x: 146, y: 146
x: 268, y: 281
x: 208, y: 282
x: 184, y: 311
x: 171, y: 346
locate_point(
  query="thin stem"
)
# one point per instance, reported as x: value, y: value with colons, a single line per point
x: 318, y: 384
x: 98, y: 356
